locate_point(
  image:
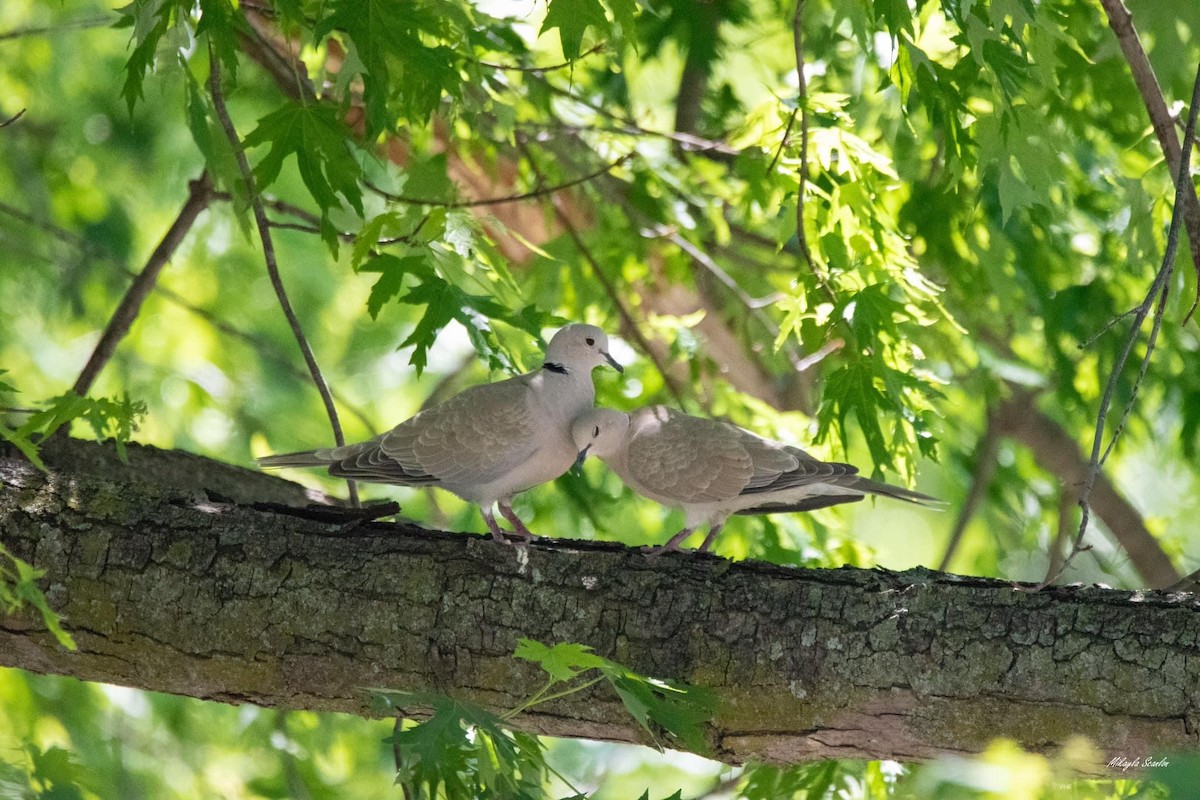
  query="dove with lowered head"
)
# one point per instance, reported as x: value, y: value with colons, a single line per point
x: 712, y: 469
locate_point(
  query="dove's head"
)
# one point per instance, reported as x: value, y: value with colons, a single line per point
x: 579, y: 347
x: 599, y: 432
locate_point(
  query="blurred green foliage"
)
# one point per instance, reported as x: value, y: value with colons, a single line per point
x: 983, y: 197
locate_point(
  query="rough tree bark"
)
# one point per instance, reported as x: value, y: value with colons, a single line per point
x: 172, y: 586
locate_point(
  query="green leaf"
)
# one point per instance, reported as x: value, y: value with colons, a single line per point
x: 462, y: 750
x: 215, y: 147
x: 445, y: 302
x: 849, y: 390
x: 392, y: 270
x: 572, y: 18
x: 150, y: 20
x: 18, y: 588
x: 563, y: 661
x: 679, y: 710
x: 400, y: 57
x: 314, y: 134
x: 57, y: 772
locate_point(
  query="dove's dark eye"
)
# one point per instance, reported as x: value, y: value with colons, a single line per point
x: 596, y: 432
x: 590, y: 341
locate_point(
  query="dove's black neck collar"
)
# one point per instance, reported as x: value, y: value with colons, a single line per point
x: 555, y: 368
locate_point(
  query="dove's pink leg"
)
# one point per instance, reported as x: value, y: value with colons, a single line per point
x: 490, y: 519
x: 712, y: 535
x: 671, y: 545
x: 519, y: 526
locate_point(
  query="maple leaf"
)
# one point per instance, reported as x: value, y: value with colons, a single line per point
x: 572, y: 18
x: 314, y: 133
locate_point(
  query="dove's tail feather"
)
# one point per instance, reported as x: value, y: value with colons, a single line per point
x: 304, y: 458
x: 805, y: 504
x: 895, y: 492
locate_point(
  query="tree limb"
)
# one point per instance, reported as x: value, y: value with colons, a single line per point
x: 1156, y: 295
x: 268, y: 247
x: 1121, y: 22
x: 199, y: 196
x: 1058, y: 453
x: 171, y: 588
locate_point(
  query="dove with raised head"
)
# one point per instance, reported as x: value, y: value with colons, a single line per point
x: 712, y: 469
x: 488, y: 442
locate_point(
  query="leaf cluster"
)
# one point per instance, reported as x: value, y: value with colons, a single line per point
x: 19, y: 588
x: 464, y: 751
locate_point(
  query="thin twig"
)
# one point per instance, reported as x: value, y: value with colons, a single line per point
x: 1067, y: 501
x: 1108, y: 326
x: 981, y: 478
x: 264, y: 233
x: 78, y: 24
x: 1156, y: 296
x: 754, y: 304
x: 541, y: 191
x: 690, y: 141
x: 626, y: 316
x: 539, y: 70
x: 1121, y: 22
x: 13, y: 118
x: 263, y: 347
x: 199, y: 196
x: 802, y: 107
x: 787, y: 131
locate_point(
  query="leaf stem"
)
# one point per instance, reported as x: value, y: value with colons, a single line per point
x: 540, y: 696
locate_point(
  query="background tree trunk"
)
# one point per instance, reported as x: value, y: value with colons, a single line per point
x: 173, y: 586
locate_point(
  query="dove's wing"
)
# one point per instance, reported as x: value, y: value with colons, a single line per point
x: 684, y: 459
x: 473, y: 438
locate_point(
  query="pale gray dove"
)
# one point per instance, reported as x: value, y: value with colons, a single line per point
x: 487, y: 443
x: 712, y: 469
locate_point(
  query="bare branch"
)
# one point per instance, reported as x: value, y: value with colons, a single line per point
x: 539, y: 70
x: 77, y: 24
x: 258, y: 344
x: 787, y: 131
x: 541, y: 191
x: 199, y: 197
x: 1057, y: 452
x: 981, y: 478
x: 1156, y: 296
x: 1121, y: 22
x: 13, y: 118
x: 801, y: 236
x: 264, y: 232
x: 689, y: 141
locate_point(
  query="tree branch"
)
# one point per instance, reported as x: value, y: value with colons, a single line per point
x: 801, y: 235
x: 981, y: 478
x: 264, y: 233
x: 69, y: 25
x: 169, y: 588
x: 199, y: 196
x: 13, y: 118
x: 1121, y: 22
x: 541, y: 191
x: 1058, y: 453
x: 1156, y: 295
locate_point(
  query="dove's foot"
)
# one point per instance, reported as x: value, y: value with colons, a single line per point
x: 711, y: 537
x: 672, y: 544
x: 523, y: 534
x: 520, y: 537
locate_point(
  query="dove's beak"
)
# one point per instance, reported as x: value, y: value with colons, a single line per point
x: 612, y: 361
x: 577, y: 467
